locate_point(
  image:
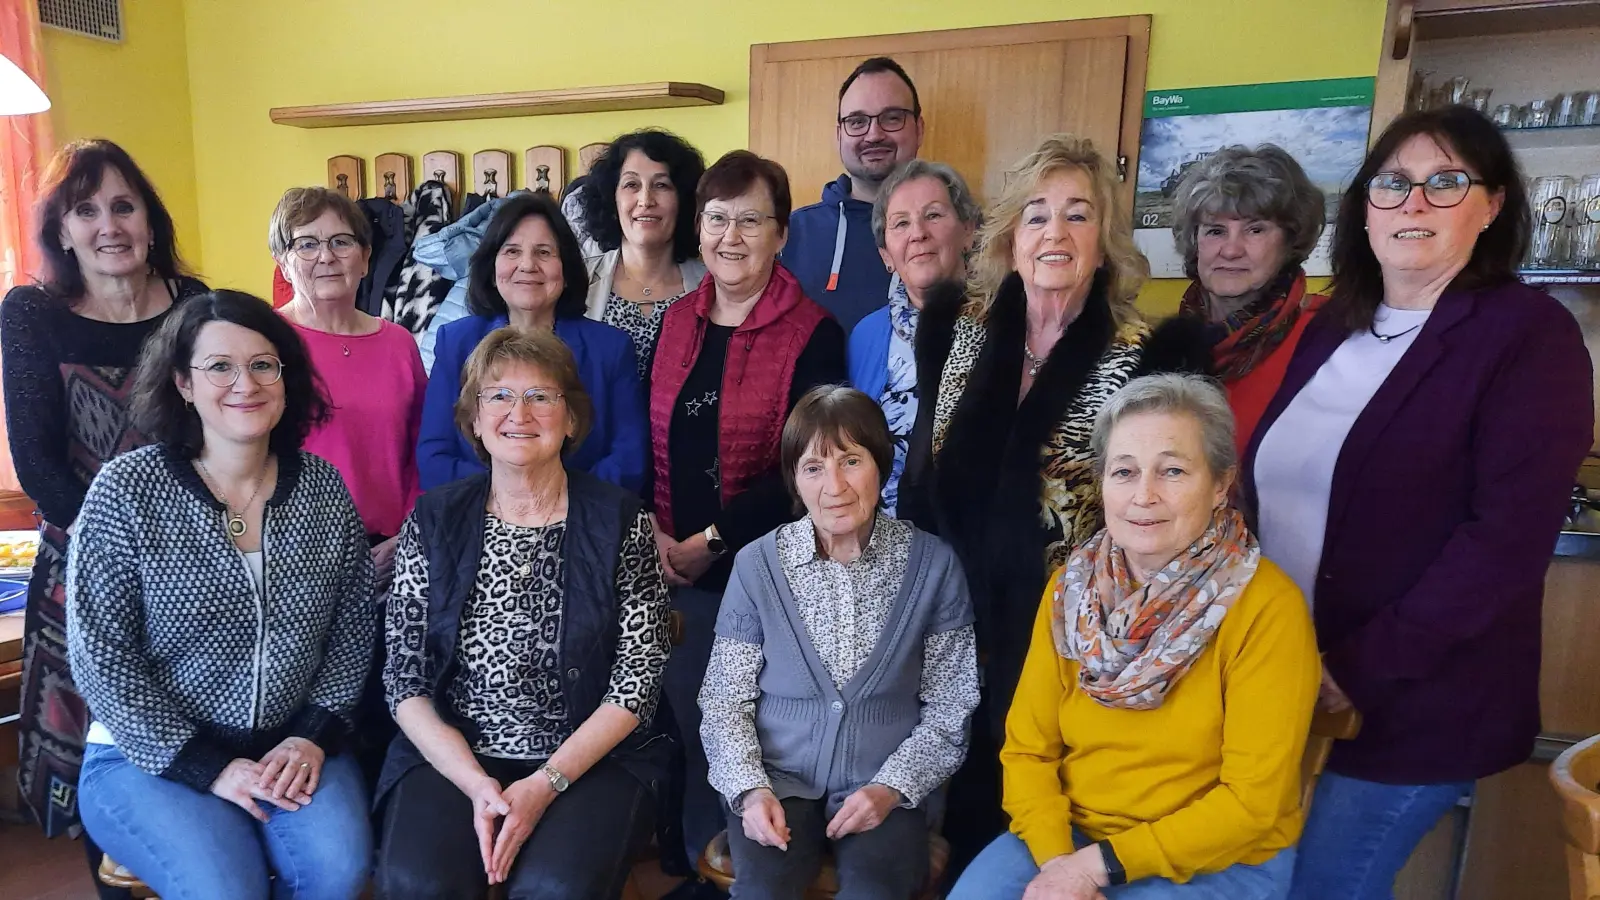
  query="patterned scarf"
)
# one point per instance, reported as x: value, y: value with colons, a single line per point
x: 899, y: 399
x: 1133, y: 642
x: 1251, y: 334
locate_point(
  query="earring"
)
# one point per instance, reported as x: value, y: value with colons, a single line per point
x: 1486, y: 226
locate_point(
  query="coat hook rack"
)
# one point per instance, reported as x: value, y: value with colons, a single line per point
x: 587, y: 154
x: 394, y: 169
x: 544, y: 169
x: 445, y: 166
x: 491, y: 173
x: 346, y: 174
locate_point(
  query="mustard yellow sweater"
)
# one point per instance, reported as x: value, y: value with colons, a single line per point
x: 1208, y: 779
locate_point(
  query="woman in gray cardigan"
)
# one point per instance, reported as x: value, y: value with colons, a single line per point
x: 843, y: 673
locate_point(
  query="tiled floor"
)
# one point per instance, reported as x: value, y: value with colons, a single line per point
x: 33, y: 868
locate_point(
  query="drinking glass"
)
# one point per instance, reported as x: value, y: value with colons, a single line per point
x: 1551, y: 199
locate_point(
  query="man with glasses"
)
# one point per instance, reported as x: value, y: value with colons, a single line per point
x: 831, y: 249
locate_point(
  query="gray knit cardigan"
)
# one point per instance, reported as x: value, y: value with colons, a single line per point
x: 171, y: 644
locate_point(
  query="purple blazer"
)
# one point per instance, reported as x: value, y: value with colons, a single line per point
x: 1446, y: 502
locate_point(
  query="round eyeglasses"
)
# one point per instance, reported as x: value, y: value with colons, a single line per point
x: 309, y: 248
x: 1390, y: 190
x: 892, y: 119
x: 501, y: 401
x: 264, y: 370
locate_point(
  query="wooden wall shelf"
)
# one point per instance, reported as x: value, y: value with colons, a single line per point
x: 655, y: 95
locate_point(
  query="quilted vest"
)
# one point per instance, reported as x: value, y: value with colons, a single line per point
x: 756, y: 376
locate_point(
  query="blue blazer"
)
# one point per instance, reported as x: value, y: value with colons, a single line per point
x: 869, y: 353
x: 617, y: 448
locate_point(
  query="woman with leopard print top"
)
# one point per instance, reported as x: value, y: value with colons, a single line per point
x: 527, y: 633
x: 1012, y: 371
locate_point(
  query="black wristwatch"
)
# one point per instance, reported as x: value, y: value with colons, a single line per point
x: 714, y: 541
x: 1114, y: 870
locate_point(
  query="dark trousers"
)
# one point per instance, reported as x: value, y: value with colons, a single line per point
x: 889, y: 862
x: 702, y: 807
x: 580, y: 850
x: 973, y: 816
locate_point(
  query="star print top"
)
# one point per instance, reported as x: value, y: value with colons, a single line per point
x: 692, y: 445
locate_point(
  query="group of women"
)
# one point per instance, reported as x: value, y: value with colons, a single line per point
x: 1051, y: 591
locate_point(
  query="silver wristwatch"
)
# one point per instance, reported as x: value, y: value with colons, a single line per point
x: 558, y: 781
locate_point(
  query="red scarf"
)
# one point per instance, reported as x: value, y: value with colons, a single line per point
x: 1257, y: 330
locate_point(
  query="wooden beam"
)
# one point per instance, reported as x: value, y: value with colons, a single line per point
x: 654, y: 95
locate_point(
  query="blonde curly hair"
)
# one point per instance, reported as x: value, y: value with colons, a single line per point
x: 1126, y: 266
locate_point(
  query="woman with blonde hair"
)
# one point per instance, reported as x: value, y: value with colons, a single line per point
x: 1047, y: 317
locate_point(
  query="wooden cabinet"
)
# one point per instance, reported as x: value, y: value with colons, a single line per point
x: 988, y: 95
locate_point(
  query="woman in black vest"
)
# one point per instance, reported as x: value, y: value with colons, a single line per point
x: 527, y: 633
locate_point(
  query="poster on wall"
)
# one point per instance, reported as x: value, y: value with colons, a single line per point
x: 1323, y: 124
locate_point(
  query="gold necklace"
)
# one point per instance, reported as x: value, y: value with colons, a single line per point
x: 237, y: 526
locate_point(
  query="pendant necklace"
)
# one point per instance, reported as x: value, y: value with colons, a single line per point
x: 1386, y: 338
x: 237, y: 526
x: 1035, y: 363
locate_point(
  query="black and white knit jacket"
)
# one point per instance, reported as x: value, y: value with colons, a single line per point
x: 170, y: 643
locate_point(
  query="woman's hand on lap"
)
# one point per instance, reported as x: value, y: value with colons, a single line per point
x: 239, y: 784
x: 691, y: 558
x: 292, y: 770
x: 1075, y: 876
x: 527, y: 799
x: 864, y: 810
x: 763, y: 819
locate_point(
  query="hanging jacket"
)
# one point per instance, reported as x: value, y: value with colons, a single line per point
x: 832, y: 252
x: 412, y: 298
x: 449, y: 251
x: 388, y: 222
x: 755, y: 380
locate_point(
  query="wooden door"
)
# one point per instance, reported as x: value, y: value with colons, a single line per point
x: 988, y: 95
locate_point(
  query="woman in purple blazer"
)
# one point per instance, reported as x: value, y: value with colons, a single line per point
x: 1411, y: 476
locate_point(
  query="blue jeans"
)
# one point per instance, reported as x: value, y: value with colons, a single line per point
x: 1002, y: 872
x: 704, y: 813
x: 1359, y: 834
x: 191, y: 846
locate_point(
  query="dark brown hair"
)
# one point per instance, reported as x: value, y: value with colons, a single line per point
x: 836, y: 416
x: 541, y: 350
x: 684, y: 165
x: 164, y: 416
x: 882, y: 64
x: 74, y: 174
x: 483, y: 298
x: 738, y: 171
x: 1470, y: 137
x: 304, y: 205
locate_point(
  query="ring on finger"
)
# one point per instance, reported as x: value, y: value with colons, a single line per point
x: 305, y: 765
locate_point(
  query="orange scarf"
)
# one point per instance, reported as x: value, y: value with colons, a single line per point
x: 1133, y: 642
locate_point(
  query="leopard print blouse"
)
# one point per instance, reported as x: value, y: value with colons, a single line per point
x: 510, y: 639
x: 1069, y: 502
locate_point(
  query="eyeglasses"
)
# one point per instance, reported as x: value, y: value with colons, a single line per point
x: 892, y: 119
x: 502, y: 401
x: 264, y: 371
x: 749, y: 223
x: 309, y: 248
x: 1390, y: 190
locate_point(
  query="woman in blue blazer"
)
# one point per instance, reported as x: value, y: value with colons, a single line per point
x: 528, y: 273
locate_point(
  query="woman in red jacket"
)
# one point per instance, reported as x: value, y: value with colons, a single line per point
x: 1245, y: 220
x: 733, y: 357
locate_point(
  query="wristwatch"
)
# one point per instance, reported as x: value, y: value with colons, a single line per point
x: 714, y: 541
x: 1115, y: 873
x: 557, y: 780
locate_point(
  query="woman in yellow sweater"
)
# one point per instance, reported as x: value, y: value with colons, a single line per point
x: 1153, y: 748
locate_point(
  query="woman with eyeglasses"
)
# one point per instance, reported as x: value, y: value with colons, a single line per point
x: 220, y: 624
x: 732, y: 359
x: 370, y: 368
x: 527, y: 634
x: 1411, y: 476
x: 528, y: 273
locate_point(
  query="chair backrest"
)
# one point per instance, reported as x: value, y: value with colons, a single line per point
x: 1326, y: 727
x: 1576, y: 777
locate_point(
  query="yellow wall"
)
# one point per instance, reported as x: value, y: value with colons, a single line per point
x: 245, y: 57
x: 137, y: 94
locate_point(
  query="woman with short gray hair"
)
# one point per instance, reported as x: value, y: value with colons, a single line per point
x: 1168, y: 646
x: 1245, y: 220
x: 924, y: 221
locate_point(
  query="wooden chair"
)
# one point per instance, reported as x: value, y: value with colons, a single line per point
x: 1326, y: 727
x: 1576, y: 777
x: 716, y: 864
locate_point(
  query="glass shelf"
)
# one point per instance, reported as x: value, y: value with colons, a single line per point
x: 1552, y: 136
x: 1560, y: 276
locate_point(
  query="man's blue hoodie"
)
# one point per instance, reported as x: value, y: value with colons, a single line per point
x: 831, y: 245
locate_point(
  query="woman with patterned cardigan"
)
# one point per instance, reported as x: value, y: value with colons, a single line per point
x: 220, y: 623
x: 1011, y: 373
